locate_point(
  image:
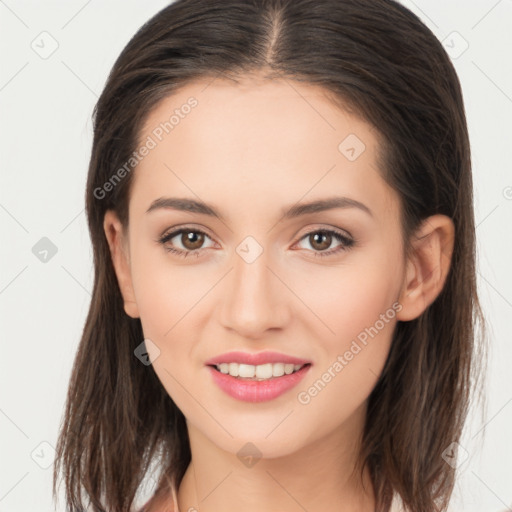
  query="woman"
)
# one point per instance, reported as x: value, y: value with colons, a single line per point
x: 280, y: 205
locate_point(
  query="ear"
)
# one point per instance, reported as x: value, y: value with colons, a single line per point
x: 427, y: 266
x: 117, y: 241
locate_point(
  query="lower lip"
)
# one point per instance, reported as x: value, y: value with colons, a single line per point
x: 257, y: 391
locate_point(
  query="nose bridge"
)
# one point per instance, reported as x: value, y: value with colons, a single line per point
x: 253, y: 297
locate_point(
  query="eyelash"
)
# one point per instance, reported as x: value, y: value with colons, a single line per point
x: 347, y: 242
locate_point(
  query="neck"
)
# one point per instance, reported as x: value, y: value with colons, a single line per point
x: 318, y: 477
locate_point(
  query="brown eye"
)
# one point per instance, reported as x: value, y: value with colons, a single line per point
x: 185, y: 241
x: 320, y: 240
x: 192, y: 239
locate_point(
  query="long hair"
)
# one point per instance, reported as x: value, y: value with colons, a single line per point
x: 376, y: 58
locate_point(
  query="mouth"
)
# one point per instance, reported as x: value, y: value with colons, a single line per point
x: 257, y: 383
x: 258, y: 373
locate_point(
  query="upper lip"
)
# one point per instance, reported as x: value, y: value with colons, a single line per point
x: 255, y: 359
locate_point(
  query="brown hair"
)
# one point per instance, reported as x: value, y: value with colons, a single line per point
x: 378, y: 59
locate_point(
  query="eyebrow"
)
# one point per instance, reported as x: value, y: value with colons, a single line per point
x: 296, y: 210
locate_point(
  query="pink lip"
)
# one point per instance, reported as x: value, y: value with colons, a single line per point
x: 255, y: 359
x: 257, y: 391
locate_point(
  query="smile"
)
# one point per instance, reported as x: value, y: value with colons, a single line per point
x: 253, y: 388
x: 260, y: 372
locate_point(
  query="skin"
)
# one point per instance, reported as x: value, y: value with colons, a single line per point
x: 251, y: 149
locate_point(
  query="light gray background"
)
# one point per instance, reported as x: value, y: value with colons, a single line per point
x: 46, y: 104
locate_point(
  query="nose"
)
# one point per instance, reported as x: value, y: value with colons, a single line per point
x: 255, y: 300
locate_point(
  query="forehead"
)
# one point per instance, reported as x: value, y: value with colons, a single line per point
x: 279, y: 138
x: 292, y: 111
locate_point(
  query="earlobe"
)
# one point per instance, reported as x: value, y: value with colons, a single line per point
x: 428, y: 266
x: 116, y: 237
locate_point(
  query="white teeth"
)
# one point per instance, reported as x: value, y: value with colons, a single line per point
x: 233, y: 369
x: 264, y: 371
x: 260, y: 372
x: 278, y: 369
x: 246, y: 370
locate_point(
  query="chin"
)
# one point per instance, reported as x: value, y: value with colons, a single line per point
x: 263, y: 439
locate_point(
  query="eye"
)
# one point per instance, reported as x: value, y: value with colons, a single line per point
x: 191, y: 240
x: 188, y: 241
x: 321, y: 239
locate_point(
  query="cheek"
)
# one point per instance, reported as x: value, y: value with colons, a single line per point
x: 340, y: 384
x: 342, y: 301
x: 166, y: 293
x: 171, y: 299
x: 167, y: 296
x: 361, y: 302
x: 358, y: 311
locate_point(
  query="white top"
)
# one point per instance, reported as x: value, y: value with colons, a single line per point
x: 397, y: 504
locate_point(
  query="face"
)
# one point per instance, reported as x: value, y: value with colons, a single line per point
x: 317, y: 287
